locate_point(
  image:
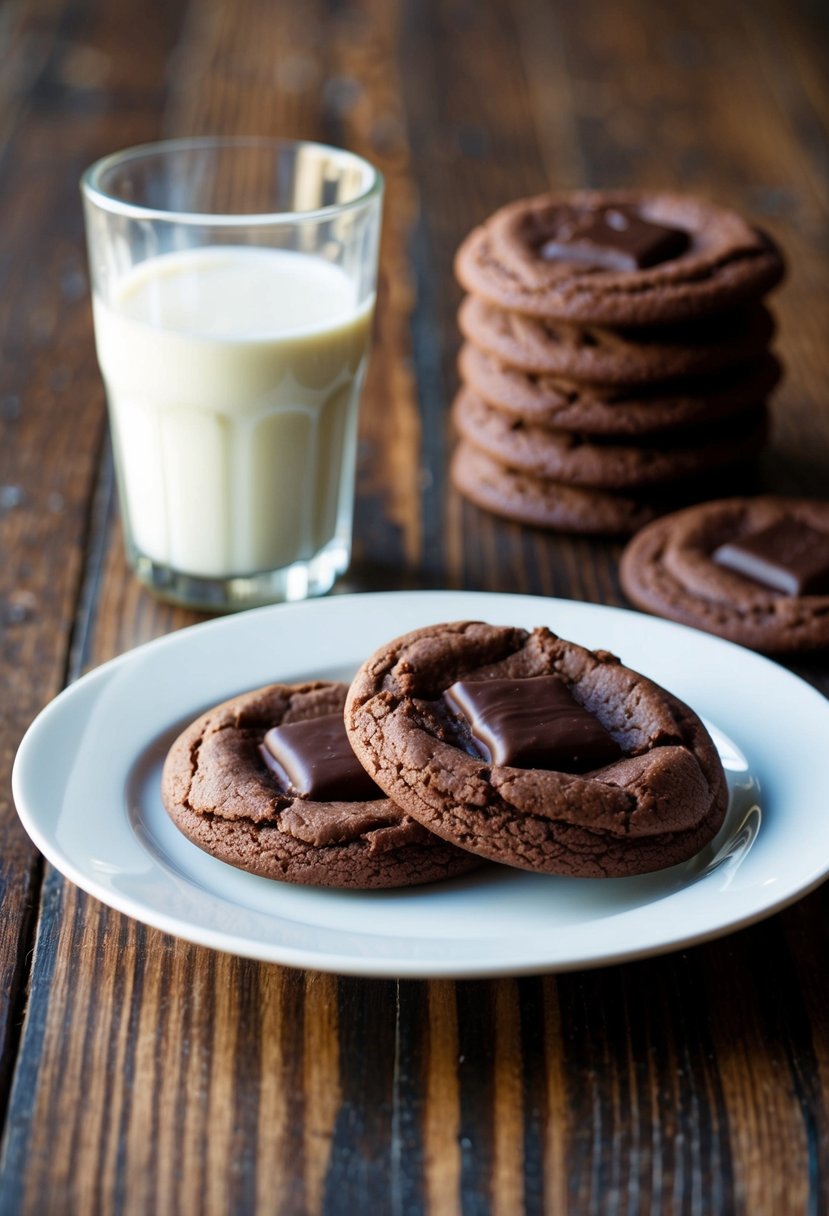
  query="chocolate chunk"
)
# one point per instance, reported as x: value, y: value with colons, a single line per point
x: 787, y: 556
x: 313, y: 759
x: 614, y: 238
x: 532, y: 723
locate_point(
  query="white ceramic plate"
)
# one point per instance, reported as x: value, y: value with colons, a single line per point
x: 86, y: 785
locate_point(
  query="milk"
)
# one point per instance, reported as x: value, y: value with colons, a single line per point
x: 233, y: 377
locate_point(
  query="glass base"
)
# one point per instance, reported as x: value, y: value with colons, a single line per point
x: 299, y: 581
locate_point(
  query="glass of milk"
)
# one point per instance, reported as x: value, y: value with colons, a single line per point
x: 233, y: 286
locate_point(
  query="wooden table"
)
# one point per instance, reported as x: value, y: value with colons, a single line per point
x: 139, y: 1074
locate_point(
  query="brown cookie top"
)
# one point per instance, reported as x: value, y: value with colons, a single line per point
x: 518, y: 496
x: 656, y: 805
x: 222, y: 793
x: 530, y: 257
x: 574, y: 460
x: 607, y: 410
x: 669, y: 569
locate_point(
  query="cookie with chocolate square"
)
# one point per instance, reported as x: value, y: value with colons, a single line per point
x: 619, y: 258
x: 535, y: 752
x: 753, y: 570
x: 268, y: 782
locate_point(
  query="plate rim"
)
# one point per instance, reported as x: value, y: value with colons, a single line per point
x: 379, y: 967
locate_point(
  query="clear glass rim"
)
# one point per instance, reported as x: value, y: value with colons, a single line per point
x: 94, y: 192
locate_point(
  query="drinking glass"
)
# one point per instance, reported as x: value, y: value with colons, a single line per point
x: 233, y: 287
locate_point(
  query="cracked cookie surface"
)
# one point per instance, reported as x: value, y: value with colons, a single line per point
x: 220, y: 793
x: 656, y: 806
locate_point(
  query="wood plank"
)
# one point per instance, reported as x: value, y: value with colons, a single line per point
x: 548, y: 1062
x: 508, y: 1165
x: 360, y: 1170
x: 473, y: 147
x: 758, y: 1039
x: 368, y: 112
x: 51, y: 412
x: 191, y: 1069
x: 441, y: 1114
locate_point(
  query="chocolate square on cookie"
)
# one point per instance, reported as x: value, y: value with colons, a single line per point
x: 533, y: 722
x: 313, y: 759
x: 788, y: 556
x: 613, y: 238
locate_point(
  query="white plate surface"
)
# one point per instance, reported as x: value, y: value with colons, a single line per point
x: 86, y: 785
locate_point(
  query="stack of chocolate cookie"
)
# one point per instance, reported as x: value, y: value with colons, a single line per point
x: 616, y: 354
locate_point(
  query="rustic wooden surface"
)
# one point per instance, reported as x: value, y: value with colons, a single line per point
x: 139, y: 1074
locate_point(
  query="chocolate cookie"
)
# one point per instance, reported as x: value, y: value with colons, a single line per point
x: 621, y: 258
x: 565, y: 457
x: 599, y: 355
x: 547, y: 504
x: 268, y: 783
x: 754, y: 570
x: 618, y: 411
x: 535, y: 752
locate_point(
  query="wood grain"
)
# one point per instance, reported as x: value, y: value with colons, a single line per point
x: 51, y: 408
x: 148, y: 1075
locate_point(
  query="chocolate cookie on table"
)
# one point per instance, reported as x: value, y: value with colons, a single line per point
x: 753, y: 570
x: 599, y: 355
x: 615, y: 410
x: 268, y: 782
x: 575, y: 460
x: 620, y: 258
x: 535, y: 752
